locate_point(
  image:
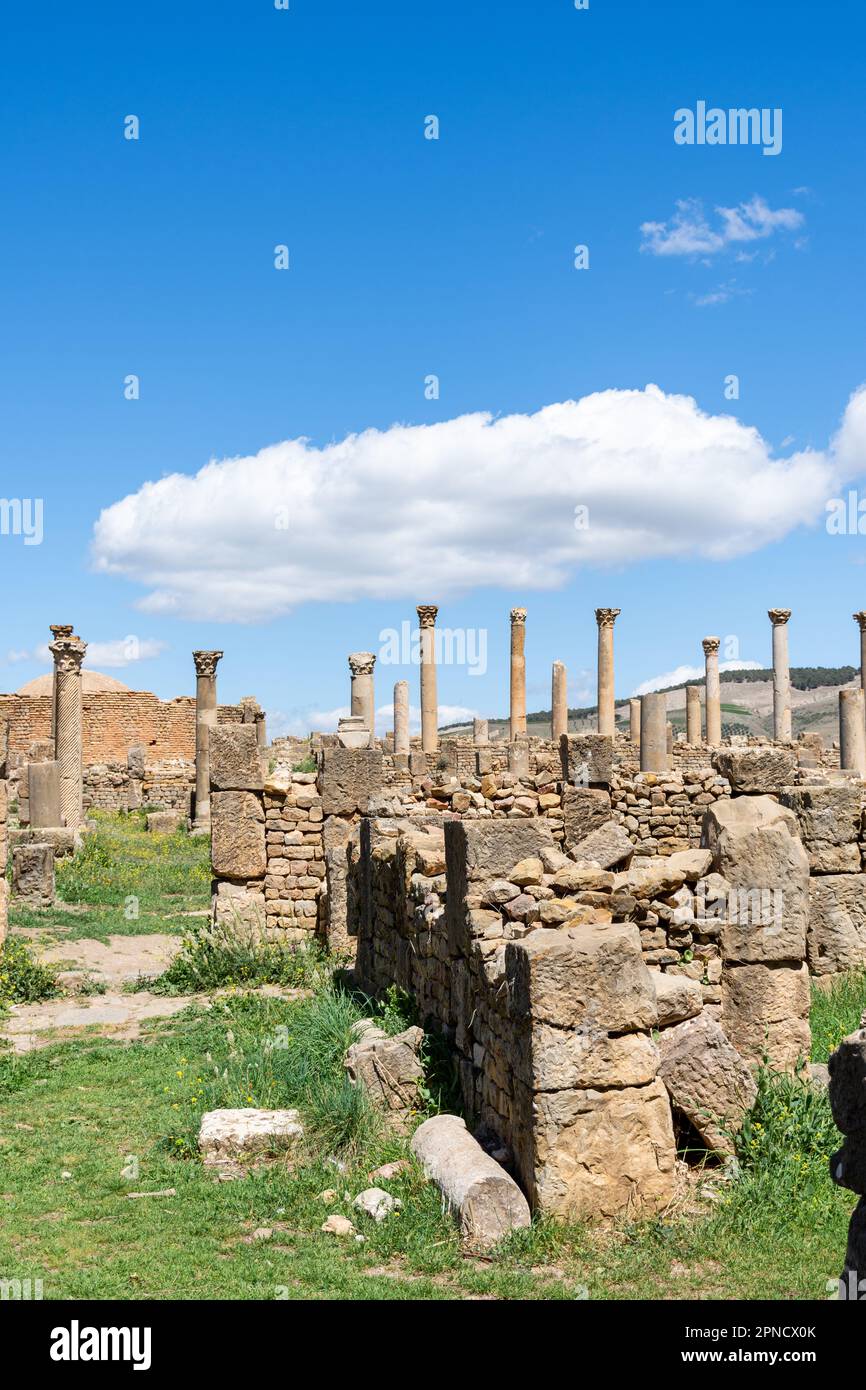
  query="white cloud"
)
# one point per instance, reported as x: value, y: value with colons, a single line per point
x: 689, y: 673
x: 689, y: 233
x: 123, y: 651
x: 424, y: 512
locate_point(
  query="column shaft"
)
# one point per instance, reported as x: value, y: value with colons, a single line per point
x: 401, y: 718
x: 205, y: 720
x: 606, y: 617
x: 68, y: 653
x: 654, y: 733
x: 781, y: 675
x: 518, y: 672
x: 713, y: 692
x: 558, y: 701
x: 852, y: 731
x: 693, y: 714
x: 429, y: 702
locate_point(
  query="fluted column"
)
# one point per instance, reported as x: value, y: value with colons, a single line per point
x: 205, y: 720
x: 429, y: 703
x: 693, y: 714
x: 713, y: 692
x: 634, y: 722
x: 68, y: 653
x: 401, y: 718
x: 558, y: 701
x: 606, y: 617
x: 852, y: 731
x: 860, y: 620
x: 363, y: 701
x: 518, y: 672
x: 781, y: 675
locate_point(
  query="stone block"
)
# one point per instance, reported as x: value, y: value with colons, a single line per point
x: 765, y: 1009
x: 756, y: 847
x: 33, y: 874
x: 350, y: 779
x: 608, y: 846
x: 836, y: 937
x: 677, y: 998
x: 235, y: 905
x: 829, y: 823
x: 237, y: 835
x: 581, y: 977
x: 235, y: 758
x: 584, y: 810
x: 164, y: 822
x: 602, y: 1153
x: 707, y: 1080
x: 756, y: 770
x: 587, y: 759
x: 44, y: 793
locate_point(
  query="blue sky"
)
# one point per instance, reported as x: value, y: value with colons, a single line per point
x: 411, y: 257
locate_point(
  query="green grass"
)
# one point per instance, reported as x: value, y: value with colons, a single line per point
x: 216, y: 956
x: 836, y: 1012
x: 125, y: 881
x: 23, y: 980
x: 86, y: 1109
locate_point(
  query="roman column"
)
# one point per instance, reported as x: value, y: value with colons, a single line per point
x: 654, y: 732
x: 713, y: 692
x: 68, y: 653
x: 480, y: 731
x: 634, y: 722
x: 781, y: 675
x: 605, y: 617
x: 558, y: 702
x: 363, y: 703
x: 58, y: 630
x: 852, y: 730
x: 205, y: 720
x: 860, y: 619
x: 518, y: 672
x: 693, y: 714
x: 429, y: 704
x: 401, y: 718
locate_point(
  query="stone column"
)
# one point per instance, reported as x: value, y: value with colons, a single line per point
x: 852, y: 731
x: 518, y: 672
x: 781, y: 675
x: 713, y: 692
x: 205, y: 720
x: 401, y: 718
x: 654, y: 732
x: 68, y: 653
x: 634, y: 722
x: 860, y: 619
x: 363, y: 702
x: 429, y: 703
x: 480, y: 731
x: 559, y: 702
x: 58, y: 631
x: 605, y: 617
x: 693, y: 714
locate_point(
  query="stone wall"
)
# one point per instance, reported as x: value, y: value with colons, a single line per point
x: 4, y: 836
x: 551, y: 1025
x: 114, y: 721
x: 267, y: 840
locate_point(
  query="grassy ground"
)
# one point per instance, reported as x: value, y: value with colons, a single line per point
x: 125, y: 881
x: 85, y: 1124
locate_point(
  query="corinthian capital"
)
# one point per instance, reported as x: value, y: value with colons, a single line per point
x: 606, y: 617
x: 427, y: 614
x: 711, y: 644
x: 206, y: 663
x: 362, y: 663
x: 778, y: 616
x: 860, y: 619
x: 518, y: 616
x: 68, y: 653
x: 60, y: 630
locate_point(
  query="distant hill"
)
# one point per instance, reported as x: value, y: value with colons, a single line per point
x: 747, y: 704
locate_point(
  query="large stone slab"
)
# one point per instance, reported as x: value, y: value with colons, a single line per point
x: 33, y: 874
x: 677, y: 998
x: 580, y: 977
x: 235, y: 760
x: 587, y: 759
x: 756, y: 770
x: 836, y: 938
x: 44, y: 790
x: 350, y: 779
x: 829, y: 822
x: 228, y: 1135
x: 608, y: 846
x: 237, y: 835
x: 584, y: 810
x: 601, y: 1153
x: 765, y: 1010
x: 756, y: 847
x: 706, y: 1079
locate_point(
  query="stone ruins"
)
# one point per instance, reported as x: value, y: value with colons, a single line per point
x: 611, y: 930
